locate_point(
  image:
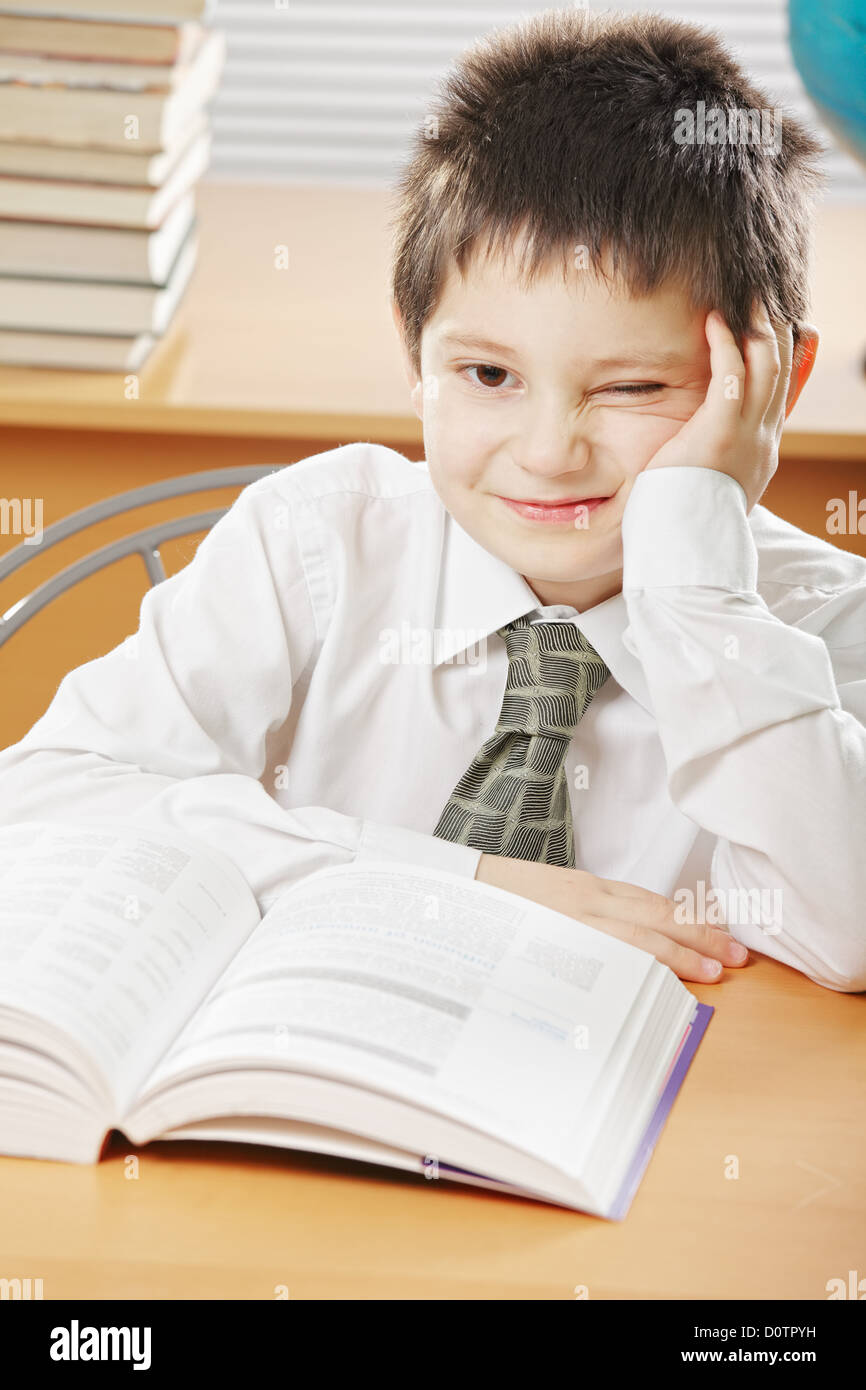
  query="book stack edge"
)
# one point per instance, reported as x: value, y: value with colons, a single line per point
x: 104, y: 134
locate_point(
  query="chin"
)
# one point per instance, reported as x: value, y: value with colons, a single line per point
x: 581, y: 562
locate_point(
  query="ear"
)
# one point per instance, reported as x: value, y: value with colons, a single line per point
x: 801, y: 369
x: 415, y: 384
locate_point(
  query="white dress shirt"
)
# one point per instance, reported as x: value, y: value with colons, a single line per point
x: 310, y: 688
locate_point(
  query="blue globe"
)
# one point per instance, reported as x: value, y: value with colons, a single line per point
x: 828, y: 44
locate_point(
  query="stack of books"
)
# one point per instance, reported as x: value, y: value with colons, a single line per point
x: 104, y: 132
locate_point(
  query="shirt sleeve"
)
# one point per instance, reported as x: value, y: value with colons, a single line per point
x: 763, y: 723
x: 171, y: 728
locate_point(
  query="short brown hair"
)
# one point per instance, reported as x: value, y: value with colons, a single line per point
x: 562, y: 125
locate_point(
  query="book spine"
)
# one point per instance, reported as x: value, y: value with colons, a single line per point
x: 692, y: 1035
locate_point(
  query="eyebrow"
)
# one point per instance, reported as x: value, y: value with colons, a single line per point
x: 643, y: 359
x: 652, y: 358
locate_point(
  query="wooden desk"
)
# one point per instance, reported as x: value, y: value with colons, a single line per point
x: 310, y: 351
x: 778, y: 1082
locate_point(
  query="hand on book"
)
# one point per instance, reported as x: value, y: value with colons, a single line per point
x: 694, y: 951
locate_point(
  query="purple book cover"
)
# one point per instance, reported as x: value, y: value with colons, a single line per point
x: 692, y: 1035
x: 680, y: 1065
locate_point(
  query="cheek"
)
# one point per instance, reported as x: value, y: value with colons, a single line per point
x: 633, y: 438
x: 459, y: 443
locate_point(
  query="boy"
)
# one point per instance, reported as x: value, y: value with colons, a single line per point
x: 570, y: 654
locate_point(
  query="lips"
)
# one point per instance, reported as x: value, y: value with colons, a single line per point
x: 570, y: 512
x: 554, y: 502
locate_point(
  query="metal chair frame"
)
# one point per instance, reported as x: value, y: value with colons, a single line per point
x: 144, y: 542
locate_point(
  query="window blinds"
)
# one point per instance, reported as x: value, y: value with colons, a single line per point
x: 328, y: 92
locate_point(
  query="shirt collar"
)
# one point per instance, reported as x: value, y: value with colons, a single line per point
x: 479, y: 593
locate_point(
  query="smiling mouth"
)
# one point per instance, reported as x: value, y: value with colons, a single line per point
x: 563, y: 502
x: 562, y: 512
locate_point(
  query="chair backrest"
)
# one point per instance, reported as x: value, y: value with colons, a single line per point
x: 145, y: 542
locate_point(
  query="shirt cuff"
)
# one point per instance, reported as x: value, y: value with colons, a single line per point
x: 380, y: 841
x: 688, y: 526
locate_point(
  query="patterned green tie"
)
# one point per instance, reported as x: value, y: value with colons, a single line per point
x: 513, y: 798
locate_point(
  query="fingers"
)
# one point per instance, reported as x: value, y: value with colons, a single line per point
x: 752, y: 384
x: 763, y: 366
x: 710, y: 942
x: 775, y: 416
x: 688, y: 962
x: 726, y: 391
x: 695, y: 951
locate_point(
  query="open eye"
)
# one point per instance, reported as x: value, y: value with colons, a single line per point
x: 486, y: 367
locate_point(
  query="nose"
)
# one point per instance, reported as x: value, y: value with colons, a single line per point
x: 552, y: 441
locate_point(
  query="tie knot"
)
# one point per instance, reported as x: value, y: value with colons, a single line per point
x: 553, y: 673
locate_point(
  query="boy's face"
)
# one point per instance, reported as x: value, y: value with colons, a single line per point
x: 531, y: 406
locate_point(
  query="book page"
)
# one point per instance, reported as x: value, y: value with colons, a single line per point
x: 429, y: 986
x: 113, y: 934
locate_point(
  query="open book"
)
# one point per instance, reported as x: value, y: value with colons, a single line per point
x: 399, y: 1015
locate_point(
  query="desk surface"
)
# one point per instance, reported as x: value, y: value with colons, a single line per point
x: 778, y: 1084
x: 311, y: 351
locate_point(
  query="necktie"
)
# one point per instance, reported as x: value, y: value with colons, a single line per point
x: 513, y: 798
